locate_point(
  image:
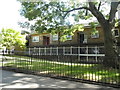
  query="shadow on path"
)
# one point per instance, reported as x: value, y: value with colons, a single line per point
x: 19, y: 80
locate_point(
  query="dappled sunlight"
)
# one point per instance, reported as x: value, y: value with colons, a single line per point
x: 18, y: 74
x: 91, y: 72
x: 90, y: 76
x: 28, y: 60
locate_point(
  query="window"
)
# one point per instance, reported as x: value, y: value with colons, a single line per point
x: 69, y: 37
x: 55, y: 37
x: 85, y: 39
x: 116, y: 32
x: 95, y: 34
x: 35, y: 39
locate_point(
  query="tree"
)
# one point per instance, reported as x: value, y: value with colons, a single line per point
x: 49, y: 14
x: 12, y: 38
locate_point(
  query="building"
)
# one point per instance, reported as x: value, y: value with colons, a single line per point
x: 85, y: 37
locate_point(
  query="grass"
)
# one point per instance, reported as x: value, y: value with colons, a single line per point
x: 94, y: 72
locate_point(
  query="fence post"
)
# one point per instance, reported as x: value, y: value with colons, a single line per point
x: 96, y: 53
x: 39, y: 51
x: 87, y: 52
x: 63, y: 50
x: 50, y: 50
x: 2, y: 57
x: 45, y: 51
x: 71, y: 64
x: 71, y: 50
x: 34, y: 51
x: 57, y: 50
x: 78, y: 53
x: 32, y: 55
x: 29, y: 51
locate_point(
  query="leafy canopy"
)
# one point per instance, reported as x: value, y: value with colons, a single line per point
x: 12, y: 38
x: 48, y: 17
x: 51, y: 16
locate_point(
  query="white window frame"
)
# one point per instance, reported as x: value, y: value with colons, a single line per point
x: 85, y: 39
x: 55, y: 37
x: 96, y: 35
x: 35, y: 38
x: 69, y: 37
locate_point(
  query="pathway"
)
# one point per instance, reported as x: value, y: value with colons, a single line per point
x: 10, y: 79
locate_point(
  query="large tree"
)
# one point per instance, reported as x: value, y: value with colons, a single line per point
x: 11, y: 38
x: 52, y: 14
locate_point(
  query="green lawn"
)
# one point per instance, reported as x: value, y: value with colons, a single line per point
x: 94, y: 72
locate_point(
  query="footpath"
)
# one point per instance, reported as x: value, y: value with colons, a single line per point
x: 11, y: 80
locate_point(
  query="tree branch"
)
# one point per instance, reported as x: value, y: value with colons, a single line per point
x: 74, y: 10
x: 96, y: 12
x: 113, y: 11
x: 99, y: 6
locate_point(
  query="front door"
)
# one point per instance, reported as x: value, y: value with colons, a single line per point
x: 46, y: 40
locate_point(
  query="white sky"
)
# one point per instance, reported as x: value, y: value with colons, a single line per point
x: 9, y: 14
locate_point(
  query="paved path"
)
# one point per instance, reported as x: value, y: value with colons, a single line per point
x: 10, y: 79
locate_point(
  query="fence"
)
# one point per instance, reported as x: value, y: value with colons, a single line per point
x: 75, y: 63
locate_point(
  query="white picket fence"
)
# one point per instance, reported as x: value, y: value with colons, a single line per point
x: 81, y: 51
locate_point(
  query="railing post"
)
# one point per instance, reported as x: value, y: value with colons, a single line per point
x: 79, y: 53
x: 32, y: 55
x: 87, y: 52
x: 71, y: 50
x: 34, y: 51
x: 45, y: 51
x: 50, y: 50
x: 2, y: 57
x: 96, y: 53
x: 63, y: 50
x: 71, y: 64
x: 29, y: 51
x: 57, y: 50
x: 39, y: 51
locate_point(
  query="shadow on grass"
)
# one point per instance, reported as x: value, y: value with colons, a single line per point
x: 91, y: 72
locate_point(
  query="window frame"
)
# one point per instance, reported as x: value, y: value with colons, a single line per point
x: 69, y: 37
x: 55, y: 37
x: 95, y: 36
x: 34, y: 39
x: 114, y: 32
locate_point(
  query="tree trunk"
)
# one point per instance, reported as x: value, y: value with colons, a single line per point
x: 111, y: 56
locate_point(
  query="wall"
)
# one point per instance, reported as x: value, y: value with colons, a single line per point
x: 90, y: 40
x: 87, y: 31
x: 75, y: 40
x: 40, y: 43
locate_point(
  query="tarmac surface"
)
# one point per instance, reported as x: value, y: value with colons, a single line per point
x: 14, y: 80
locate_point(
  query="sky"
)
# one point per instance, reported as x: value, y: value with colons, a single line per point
x: 9, y: 14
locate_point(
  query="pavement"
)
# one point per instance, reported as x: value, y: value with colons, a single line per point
x: 13, y: 80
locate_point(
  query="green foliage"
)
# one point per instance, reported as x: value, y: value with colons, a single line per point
x: 51, y: 16
x: 117, y: 22
x: 12, y: 38
x: 48, y: 16
x: 80, y: 70
x: 93, y: 25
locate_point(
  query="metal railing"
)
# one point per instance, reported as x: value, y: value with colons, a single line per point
x: 74, y: 63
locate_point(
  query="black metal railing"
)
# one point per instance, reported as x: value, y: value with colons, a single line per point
x: 75, y: 63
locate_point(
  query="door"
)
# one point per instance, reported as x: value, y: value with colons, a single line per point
x: 46, y: 40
